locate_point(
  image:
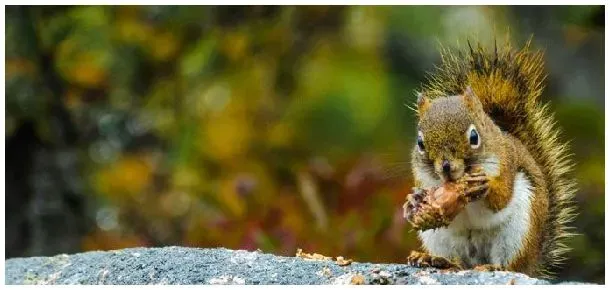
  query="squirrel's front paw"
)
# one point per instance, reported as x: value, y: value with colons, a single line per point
x: 476, y: 185
x: 413, y: 204
x: 420, y: 212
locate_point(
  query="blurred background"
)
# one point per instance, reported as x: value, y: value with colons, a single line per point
x: 271, y: 128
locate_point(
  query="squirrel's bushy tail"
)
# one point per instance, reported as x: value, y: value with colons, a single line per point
x: 509, y: 83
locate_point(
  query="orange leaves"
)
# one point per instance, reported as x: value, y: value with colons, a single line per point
x: 19, y: 66
x: 86, y: 72
x: 295, y: 216
x: 125, y: 179
x: 262, y: 126
x: 105, y: 241
x: 84, y: 56
x: 244, y: 112
x: 79, y: 65
x: 160, y: 43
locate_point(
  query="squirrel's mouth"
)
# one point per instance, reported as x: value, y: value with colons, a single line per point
x: 450, y: 169
x: 451, y: 177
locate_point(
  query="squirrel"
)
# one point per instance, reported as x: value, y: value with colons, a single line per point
x: 480, y: 124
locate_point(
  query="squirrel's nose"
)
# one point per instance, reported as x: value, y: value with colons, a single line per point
x: 446, y: 167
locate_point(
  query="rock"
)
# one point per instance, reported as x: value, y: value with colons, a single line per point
x: 179, y: 265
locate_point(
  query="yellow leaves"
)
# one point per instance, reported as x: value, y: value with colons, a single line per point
x: 295, y: 217
x: 125, y: 179
x: 315, y: 77
x: 133, y: 31
x: 235, y: 44
x: 186, y: 178
x: 159, y: 104
x: 227, y: 133
x: 255, y: 81
x: 247, y: 187
x: 280, y: 135
x: 227, y: 137
x: 224, y: 121
x: 160, y: 44
x: 81, y: 66
x: 163, y: 45
x: 229, y: 198
x: 84, y: 56
x: 86, y: 72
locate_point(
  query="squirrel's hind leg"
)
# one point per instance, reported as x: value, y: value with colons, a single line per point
x: 423, y: 259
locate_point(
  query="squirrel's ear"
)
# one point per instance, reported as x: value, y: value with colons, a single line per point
x: 422, y: 102
x: 469, y: 97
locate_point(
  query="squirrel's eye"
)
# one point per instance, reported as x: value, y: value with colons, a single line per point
x: 420, y: 142
x: 473, y: 137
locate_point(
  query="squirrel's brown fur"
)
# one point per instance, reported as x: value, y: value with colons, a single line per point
x: 508, y: 84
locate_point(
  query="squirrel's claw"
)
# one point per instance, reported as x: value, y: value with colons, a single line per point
x: 476, y: 192
x: 413, y: 203
x: 477, y: 173
x: 418, y: 211
x: 476, y: 185
x: 478, y: 178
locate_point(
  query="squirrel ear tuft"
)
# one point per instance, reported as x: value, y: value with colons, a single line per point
x: 422, y: 102
x: 469, y: 97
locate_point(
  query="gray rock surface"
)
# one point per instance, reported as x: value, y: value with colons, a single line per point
x: 179, y: 265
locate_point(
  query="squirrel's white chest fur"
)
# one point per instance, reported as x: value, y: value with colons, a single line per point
x: 480, y: 236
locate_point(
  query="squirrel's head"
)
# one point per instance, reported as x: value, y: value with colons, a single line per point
x: 452, y: 133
